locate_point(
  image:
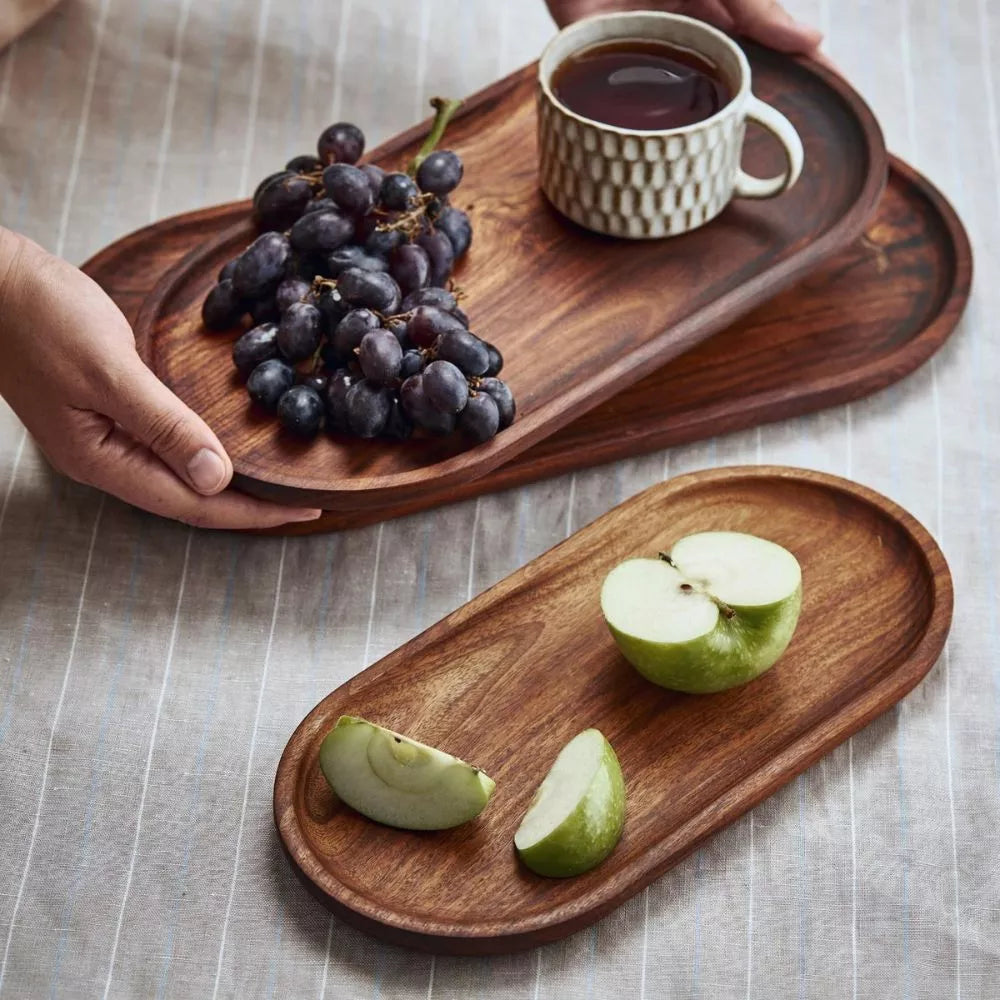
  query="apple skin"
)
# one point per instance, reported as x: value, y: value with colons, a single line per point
x: 599, y: 818
x: 358, y: 759
x: 736, y: 651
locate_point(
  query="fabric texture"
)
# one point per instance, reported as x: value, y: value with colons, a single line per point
x: 17, y: 16
x: 150, y: 675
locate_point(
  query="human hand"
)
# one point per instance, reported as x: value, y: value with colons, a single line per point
x: 765, y: 21
x: 71, y: 373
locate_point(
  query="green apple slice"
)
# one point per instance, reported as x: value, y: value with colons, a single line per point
x: 578, y: 812
x: 397, y: 781
x: 716, y: 612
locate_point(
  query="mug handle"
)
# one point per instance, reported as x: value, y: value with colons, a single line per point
x: 784, y: 131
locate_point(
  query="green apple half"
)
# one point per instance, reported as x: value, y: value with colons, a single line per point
x: 577, y: 815
x: 397, y: 781
x: 716, y: 612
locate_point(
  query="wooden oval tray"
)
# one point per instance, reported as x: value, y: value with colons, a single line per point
x: 578, y: 317
x: 870, y: 315
x: 507, y: 679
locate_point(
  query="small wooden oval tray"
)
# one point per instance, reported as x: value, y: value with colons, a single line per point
x: 507, y: 679
x: 578, y: 317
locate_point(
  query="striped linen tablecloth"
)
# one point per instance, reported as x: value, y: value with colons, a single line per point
x: 150, y: 675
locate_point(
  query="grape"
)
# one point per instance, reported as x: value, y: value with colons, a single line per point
x: 430, y: 296
x: 375, y: 176
x: 445, y: 387
x: 305, y: 164
x: 441, y: 255
x: 428, y: 323
x: 410, y: 266
x: 331, y: 360
x: 461, y: 316
x: 396, y: 192
x: 255, y: 346
x: 455, y: 224
x: 269, y: 381
x: 352, y: 256
x: 397, y: 326
x: 412, y: 362
x: 349, y: 188
x: 300, y: 331
x: 399, y: 425
x: 223, y: 307
x: 265, y: 310
x: 440, y: 173
x: 261, y: 266
x: 300, y: 410
x: 500, y: 393
x: 382, y: 242
x: 480, y: 419
x: 368, y: 407
x: 380, y: 355
x: 341, y: 143
x: 304, y: 266
x: 227, y: 269
x: 290, y: 291
x: 415, y: 404
x: 370, y: 289
x: 333, y: 307
x: 351, y: 330
x: 496, y: 360
x: 314, y: 381
x: 321, y: 205
x: 281, y: 201
x: 464, y: 350
x: 335, y: 397
x: 321, y: 231
x: 266, y: 182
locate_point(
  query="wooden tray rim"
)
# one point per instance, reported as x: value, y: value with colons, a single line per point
x: 492, y: 938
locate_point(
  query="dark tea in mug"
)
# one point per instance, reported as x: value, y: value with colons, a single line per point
x: 645, y: 85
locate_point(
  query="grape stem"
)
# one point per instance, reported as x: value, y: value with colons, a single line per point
x: 411, y: 220
x: 444, y: 111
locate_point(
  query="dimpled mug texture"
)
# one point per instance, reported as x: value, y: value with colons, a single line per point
x: 641, y: 185
x: 633, y: 186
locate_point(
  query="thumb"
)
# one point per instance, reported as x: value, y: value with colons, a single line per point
x: 149, y: 412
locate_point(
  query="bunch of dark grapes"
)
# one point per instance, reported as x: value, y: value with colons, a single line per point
x: 355, y: 325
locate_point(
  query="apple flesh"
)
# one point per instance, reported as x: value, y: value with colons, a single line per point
x: 578, y: 812
x: 715, y: 613
x: 398, y: 781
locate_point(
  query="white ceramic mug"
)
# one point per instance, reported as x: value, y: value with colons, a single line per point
x: 644, y: 185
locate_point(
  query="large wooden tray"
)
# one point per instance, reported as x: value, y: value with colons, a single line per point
x: 579, y: 317
x: 507, y: 679
x: 869, y: 316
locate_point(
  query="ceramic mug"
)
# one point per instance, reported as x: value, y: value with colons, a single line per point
x: 645, y: 185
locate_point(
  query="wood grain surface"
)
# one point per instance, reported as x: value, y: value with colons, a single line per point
x: 579, y: 317
x: 866, y: 318
x: 506, y: 680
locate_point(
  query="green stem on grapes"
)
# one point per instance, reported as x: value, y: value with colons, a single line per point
x: 444, y: 111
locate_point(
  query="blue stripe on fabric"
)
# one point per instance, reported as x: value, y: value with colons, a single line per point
x: 37, y: 573
x: 124, y: 131
x: 696, y: 949
x: 194, y: 797
x: 212, y: 116
x: 55, y: 47
x: 97, y: 767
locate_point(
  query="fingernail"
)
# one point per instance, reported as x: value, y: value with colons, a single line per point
x: 303, y: 515
x: 206, y: 471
